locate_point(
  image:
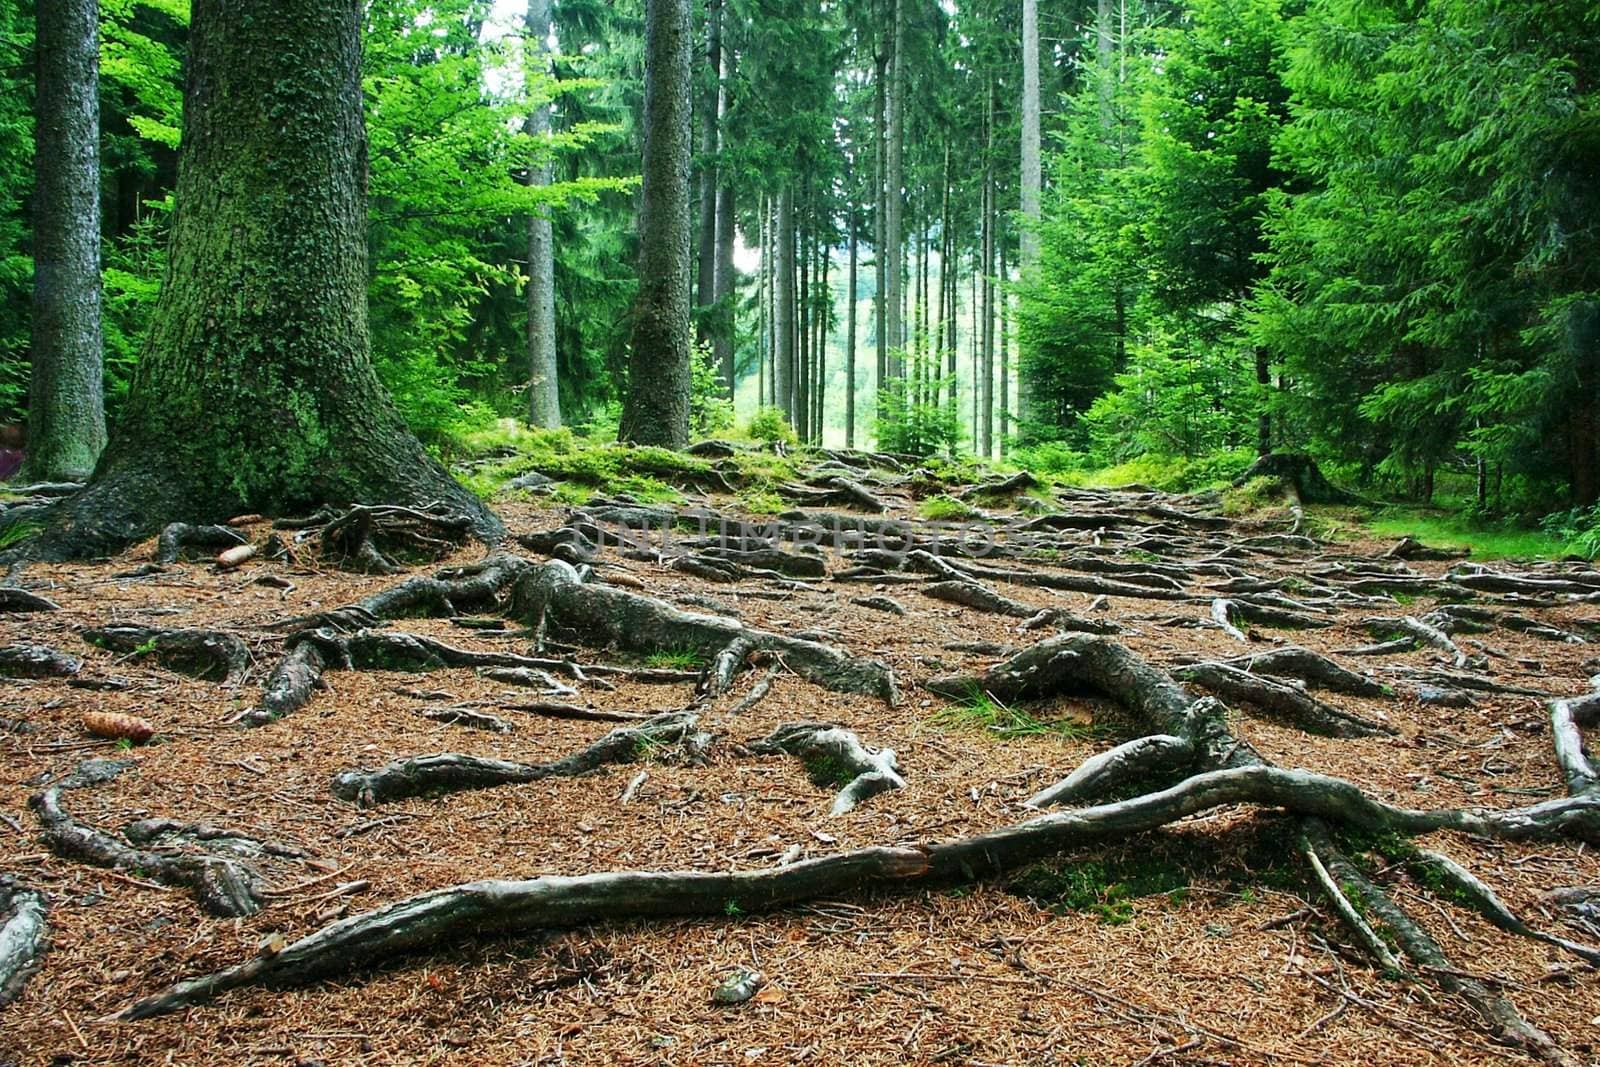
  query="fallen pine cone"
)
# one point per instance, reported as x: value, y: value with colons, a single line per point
x: 118, y: 727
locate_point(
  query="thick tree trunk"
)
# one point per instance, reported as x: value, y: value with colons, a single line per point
x: 544, y: 395
x: 706, y: 264
x: 66, y: 420
x: 783, y: 376
x: 255, y: 391
x: 763, y: 324
x: 657, y: 408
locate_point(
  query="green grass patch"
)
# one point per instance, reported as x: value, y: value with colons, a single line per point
x: 1172, y: 474
x: 16, y: 532
x: 1106, y: 888
x: 1485, y: 540
x: 981, y: 712
x: 678, y: 659
x: 946, y: 508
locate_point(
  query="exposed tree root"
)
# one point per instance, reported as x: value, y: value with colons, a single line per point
x: 1567, y: 720
x: 483, y: 586
x: 1500, y: 1016
x: 836, y: 757
x: 1222, y: 611
x: 20, y: 601
x: 37, y: 661
x: 208, y: 654
x: 373, y: 538
x: 23, y: 935
x: 550, y: 710
x: 1278, y: 698
x: 222, y: 885
x: 507, y: 907
x: 980, y: 597
x: 450, y: 772
x: 177, y: 536
x: 162, y: 833
x: 1471, y: 890
x: 756, y: 693
x: 1295, y: 662
x: 556, y: 599
x: 472, y: 720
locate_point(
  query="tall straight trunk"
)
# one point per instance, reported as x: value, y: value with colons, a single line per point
x: 706, y: 258
x: 1264, y: 418
x: 656, y: 411
x: 802, y: 328
x: 725, y: 281
x: 761, y: 307
x: 66, y: 416
x: 953, y: 343
x: 824, y: 308
x: 544, y: 393
x: 944, y: 310
x: 783, y: 378
x: 850, y: 339
x: 880, y: 306
x: 1005, y: 353
x: 986, y: 436
x: 977, y: 333
x: 895, y: 183
x: 1032, y: 170
x: 1104, y: 52
x: 255, y: 390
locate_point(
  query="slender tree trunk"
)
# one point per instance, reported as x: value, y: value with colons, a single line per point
x: 657, y: 408
x: 895, y: 162
x: 1264, y: 419
x: 706, y: 258
x: 255, y: 390
x: 880, y: 175
x: 944, y: 310
x: 762, y: 327
x: 850, y: 340
x: 977, y: 333
x: 1005, y: 353
x: 824, y: 308
x: 784, y: 319
x: 544, y: 393
x: 66, y: 418
x: 802, y: 329
x: 1104, y: 52
x: 726, y: 274
x: 986, y: 436
x: 1032, y: 170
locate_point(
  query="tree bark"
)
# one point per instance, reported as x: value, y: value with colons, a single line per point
x: 255, y: 391
x: 986, y: 389
x: 544, y: 395
x: 894, y: 157
x: 783, y: 376
x: 66, y: 419
x: 657, y: 408
x: 706, y: 266
x: 725, y: 276
x: 1032, y: 171
x: 850, y: 339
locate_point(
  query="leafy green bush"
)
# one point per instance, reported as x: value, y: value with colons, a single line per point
x: 1579, y: 528
x: 1048, y: 457
x: 913, y: 415
x: 946, y: 508
x: 769, y: 425
x: 710, y: 409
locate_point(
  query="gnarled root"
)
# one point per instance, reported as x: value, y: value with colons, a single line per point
x: 177, y: 536
x: 221, y: 885
x: 836, y: 757
x: 450, y: 772
x: 515, y: 906
x: 1278, y: 698
x: 209, y: 654
x: 1293, y: 661
x: 23, y: 933
x: 37, y: 661
x: 555, y: 598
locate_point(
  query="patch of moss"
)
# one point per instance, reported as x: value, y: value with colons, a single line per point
x: 946, y: 509
x: 1106, y: 888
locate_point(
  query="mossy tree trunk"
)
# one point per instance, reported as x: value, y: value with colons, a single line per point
x: 255, y: 389
x: 66, y: 420
x: 657, y: 408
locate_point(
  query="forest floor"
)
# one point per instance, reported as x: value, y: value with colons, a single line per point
x: 1203, y: 942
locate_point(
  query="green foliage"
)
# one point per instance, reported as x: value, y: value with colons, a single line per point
x: 710, y: 410
x: 682, y: 659
x: 770, y: 425
x: 946, y: 508
x: 915, y: 414
x: 980, y: 711
x: 1487, y: 539
x: 1103, y: 888
x: 1174, y: 474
